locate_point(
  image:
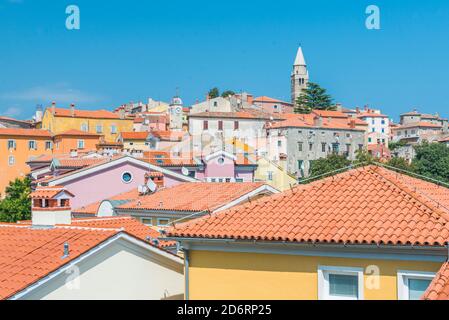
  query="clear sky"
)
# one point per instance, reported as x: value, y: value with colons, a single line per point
x: 131, y: 50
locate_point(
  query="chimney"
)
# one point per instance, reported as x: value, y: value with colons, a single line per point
x: 122, y: 113
x: 318, y: 121
x: 53, y: 108
x: 352, y: 123
x: 38, y: 115
x: 339, y: 107
x: 50, y: 206
x: 357, y: 109
x: 207, y: 97
x: 73, y: 153
x: 72, y: 110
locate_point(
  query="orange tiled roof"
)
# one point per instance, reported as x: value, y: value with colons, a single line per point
x: 192, y: 197
x: 48, y: 192
x: 439, y: 287
x: 75, y: 132
x: 369, y: 205
x: 127, y: 223
x: 269, y: 99
x: 29, y: 254
x: 93, y: 114
x: 419, y: 124
x: 93, y: 207
x: 25, y: 132
x: 246, y: 114
x: 169, y: 135
x: 134, y: 135
x: 307, y: 121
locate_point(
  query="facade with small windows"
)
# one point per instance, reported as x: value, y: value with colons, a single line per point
x: 102, y: 122
x: 351, y: 236
x: 303, y: 143
x: 17, y: 146
x: 378, y: 127
x: 67, y: 141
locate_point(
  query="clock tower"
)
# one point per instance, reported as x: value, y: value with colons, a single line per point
x: 175, y: 113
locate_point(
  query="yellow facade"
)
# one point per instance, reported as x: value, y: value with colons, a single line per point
x: 273, y: 175
x: 110, y: 128
x: 233, y: 275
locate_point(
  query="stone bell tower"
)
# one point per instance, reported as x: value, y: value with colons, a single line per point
x: 300, y: 75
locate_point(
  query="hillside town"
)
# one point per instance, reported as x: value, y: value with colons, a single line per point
x: 234, y: 197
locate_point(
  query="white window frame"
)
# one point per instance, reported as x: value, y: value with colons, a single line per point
x: 323, y: 281
x: 99, y: 128
x: 13, y: 162
x: 14, y: 146
x: 34, y: 142
x: 50, y: 143
x: 80, y: 144
x: 147, y: 224
x: 403, y: 277
x: 84, y: 127
x: 127, y: 172
x: 162, y: 225
x: 113, y: 129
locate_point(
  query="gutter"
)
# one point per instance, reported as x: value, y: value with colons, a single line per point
x: 186, y: 273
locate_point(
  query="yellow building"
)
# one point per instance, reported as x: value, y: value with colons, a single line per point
x: 17, y: 146
x: 362, y: 234
x: 106, y: 123
x: 134, y: 140
x: 274, y: 175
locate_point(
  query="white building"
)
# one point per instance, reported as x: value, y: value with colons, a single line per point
x: 61, y: 258
x: 378, y: 126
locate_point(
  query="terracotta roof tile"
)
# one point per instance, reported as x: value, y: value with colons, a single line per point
x: 366, y: 205
x: 27, y: 254
x: 25, y: 132
x: 48, y: 192
x: 192, y: 197
x: 439, y: 287
x: 139, y: 135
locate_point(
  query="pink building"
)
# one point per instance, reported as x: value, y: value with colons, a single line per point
x: 107, y: 178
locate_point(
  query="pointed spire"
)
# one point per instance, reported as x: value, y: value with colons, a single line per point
x: 300, y: 61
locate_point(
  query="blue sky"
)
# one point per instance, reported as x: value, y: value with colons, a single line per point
x: 131, y: 50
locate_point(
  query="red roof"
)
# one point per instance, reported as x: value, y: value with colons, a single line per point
x: 25, y: 132
x: 439, y: 287
x: 93, y: 114
x: 48, y: 192
x: 369, y: 205
x: 308, y: 121
x: 192, y: 197
x: 29, y: 254
x: 270, y: 100
x: 140, y: 135
x: 75, y: 132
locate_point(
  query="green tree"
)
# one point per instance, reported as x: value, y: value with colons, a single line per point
x: 17, y: 203
x: 400, y: 163
x: 363, y: 156
x: 214, y: 93
x: 313, y: 97
x: 227, y: 93
x: 329, y: 164
x: 432, y: 160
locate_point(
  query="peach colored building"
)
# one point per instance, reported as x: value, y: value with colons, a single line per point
x: 67, y: 141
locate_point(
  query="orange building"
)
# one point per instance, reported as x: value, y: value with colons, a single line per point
x: 67, y: 141
x: 16, y: 147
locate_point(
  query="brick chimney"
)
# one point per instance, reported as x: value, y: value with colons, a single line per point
x: 122, y: 113
x: 72, y: 110
x: 318, y: 121
x: 352, y: 123
x: 50, y: 206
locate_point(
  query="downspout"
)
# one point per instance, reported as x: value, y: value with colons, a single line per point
x: 186, y: 274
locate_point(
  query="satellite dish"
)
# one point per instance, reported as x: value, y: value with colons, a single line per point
x: 141, y: 188
x: 151, y: 185
x: 185, y: 171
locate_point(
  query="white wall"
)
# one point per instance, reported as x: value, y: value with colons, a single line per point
x: 122, y: 270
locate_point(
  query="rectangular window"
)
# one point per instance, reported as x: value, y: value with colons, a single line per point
x: 32, y: 145
x: 80, y: 144
x: 161, y: 222
x: 205, y: 125
x: 279, y: 143
x: 11, y: 160
x: 220, y: 125
x: 310, y: 146
x: 383, y: 121
x: 239, y: 180
x: 48, y: 145
x: 11, y: 144
x: 413, y: 284
x: 147, y: 222
x: 236, y: 125
x: 299, y: 146
x: 340, y: 283
x: 113, y: 129
x: 84, y: 127
x: 270, y: 175
x: 99, y: 128
x: 335, y: 147
x: 323, y: 147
